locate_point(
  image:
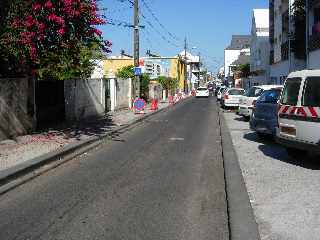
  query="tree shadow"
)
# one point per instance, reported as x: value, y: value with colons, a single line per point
x: 275, y: 151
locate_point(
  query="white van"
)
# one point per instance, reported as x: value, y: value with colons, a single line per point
x: 299, y: 113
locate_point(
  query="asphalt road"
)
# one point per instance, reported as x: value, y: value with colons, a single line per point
x: 163, y: 179
x: 284, y: 192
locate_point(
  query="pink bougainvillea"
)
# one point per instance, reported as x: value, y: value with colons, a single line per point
x: 44, y: 31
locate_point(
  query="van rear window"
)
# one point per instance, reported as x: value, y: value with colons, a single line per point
x: 291, y: 91
x: 311, y: 96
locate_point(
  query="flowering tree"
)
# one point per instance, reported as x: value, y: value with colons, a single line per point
x: 54, y: 38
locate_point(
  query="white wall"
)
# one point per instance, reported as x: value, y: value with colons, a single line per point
x: 229, y: 57
x: 314, y: 59
x: 279, y: 71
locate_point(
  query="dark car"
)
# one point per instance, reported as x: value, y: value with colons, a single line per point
x: 264, y: 119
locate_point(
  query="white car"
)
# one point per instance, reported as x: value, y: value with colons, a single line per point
x: 247, y: 101
x: 299, y: 113
x: 220, y: 92
x: 231, y: 97
x: 202, y: 92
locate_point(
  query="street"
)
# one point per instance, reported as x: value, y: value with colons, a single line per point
x: 163, y: 179
x: 284, y: 192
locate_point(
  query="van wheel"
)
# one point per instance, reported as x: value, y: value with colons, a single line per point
x: 295, y: 153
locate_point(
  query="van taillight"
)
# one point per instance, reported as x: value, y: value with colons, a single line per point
x: 226, y: 97
x: 254, y: 104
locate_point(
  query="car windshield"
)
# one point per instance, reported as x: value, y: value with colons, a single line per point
x: 236, y: 92
x: 254, y: 92
x: 270, y: 96
x: 291, y: 91
x: 311, y: 96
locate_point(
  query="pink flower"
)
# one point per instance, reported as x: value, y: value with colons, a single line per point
x: 30, y: 21
x: 97, y: 31
x: 41, y: 27
x: 48, y: 4
x: 108, y: 43
x: 56, y: 19
x: 36, y: 7
x: 27, y: 37
x: 97, y: 21
x: 67, y: 3
x: 61, y: 31
x: 33, y: 53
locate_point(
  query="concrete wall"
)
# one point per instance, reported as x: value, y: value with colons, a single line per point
x: 14, y: 118
x: 123, y: 93
x: 155, y: 91
x: 84, y: 98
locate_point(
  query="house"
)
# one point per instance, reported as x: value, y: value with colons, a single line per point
x: 287, y: 51
x: 173, y: 67
x: 260, y: 48
x: 193, y: 69
x: 239, y: 44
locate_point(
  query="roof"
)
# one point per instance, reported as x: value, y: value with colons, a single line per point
x: 261, y: 18
x: 239, y: 42
x: 305, y: 73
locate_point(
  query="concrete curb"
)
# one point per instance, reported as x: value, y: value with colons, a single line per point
x: 21, y: 173
x: 242, y: 223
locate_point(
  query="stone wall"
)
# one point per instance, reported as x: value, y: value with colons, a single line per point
x: 84, y: 99
x: 14, y: 118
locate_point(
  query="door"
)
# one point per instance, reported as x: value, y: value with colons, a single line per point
x: 107, y: 95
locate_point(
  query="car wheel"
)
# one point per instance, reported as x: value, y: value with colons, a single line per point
x: 246, y: 118
x: 295, y: 153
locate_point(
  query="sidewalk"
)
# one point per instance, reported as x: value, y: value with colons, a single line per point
x: 28, y: 147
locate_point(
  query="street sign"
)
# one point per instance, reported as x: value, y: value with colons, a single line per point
x: 137, y: 71
x: 139, y: 104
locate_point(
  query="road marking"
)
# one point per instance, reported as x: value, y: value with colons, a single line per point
x: 176, y: 139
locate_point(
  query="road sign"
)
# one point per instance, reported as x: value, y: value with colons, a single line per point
x: 139, y: 104
x: 137, y: 71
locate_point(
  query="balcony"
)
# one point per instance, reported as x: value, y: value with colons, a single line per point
x: 285, y: 51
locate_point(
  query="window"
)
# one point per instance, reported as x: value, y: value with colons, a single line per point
x: 254, y: 92
x: 311, y: 96
x: 291, y: 91
x: 316, y: 13
x: 236, y: 92
x: 270, y: 96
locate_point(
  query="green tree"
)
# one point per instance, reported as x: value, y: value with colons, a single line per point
x: 125, y: 72
x: 144, y: 86
x: 169, y: 84
x: 244, y: 69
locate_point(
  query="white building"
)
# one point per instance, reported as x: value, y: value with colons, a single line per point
x: 282, y: 60
x: 193, y: 68
x: 314, y: 35
x: 239, y: 44
x: 260, y: 48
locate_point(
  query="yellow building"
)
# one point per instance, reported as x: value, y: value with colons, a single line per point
x: 173, y: 67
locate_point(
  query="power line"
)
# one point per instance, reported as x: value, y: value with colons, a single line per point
x: 158, y: 21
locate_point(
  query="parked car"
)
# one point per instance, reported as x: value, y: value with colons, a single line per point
x: 251, y: 96
x: 220, y: 92
x: 231, y: 97
x: 264, y: 118
x: 202, y: 92
x: 299, y: 113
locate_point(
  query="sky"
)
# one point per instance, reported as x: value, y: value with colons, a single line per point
x: 208, y: 26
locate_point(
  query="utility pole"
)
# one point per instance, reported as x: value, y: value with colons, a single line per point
x: 136, y: 48
x: 307, y: 33
x: 185, y: 59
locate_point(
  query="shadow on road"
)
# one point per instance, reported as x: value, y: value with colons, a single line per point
x: 271, y: 149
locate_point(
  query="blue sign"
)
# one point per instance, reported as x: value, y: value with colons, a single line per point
x: 137, y: 71
x: 139, y: 104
